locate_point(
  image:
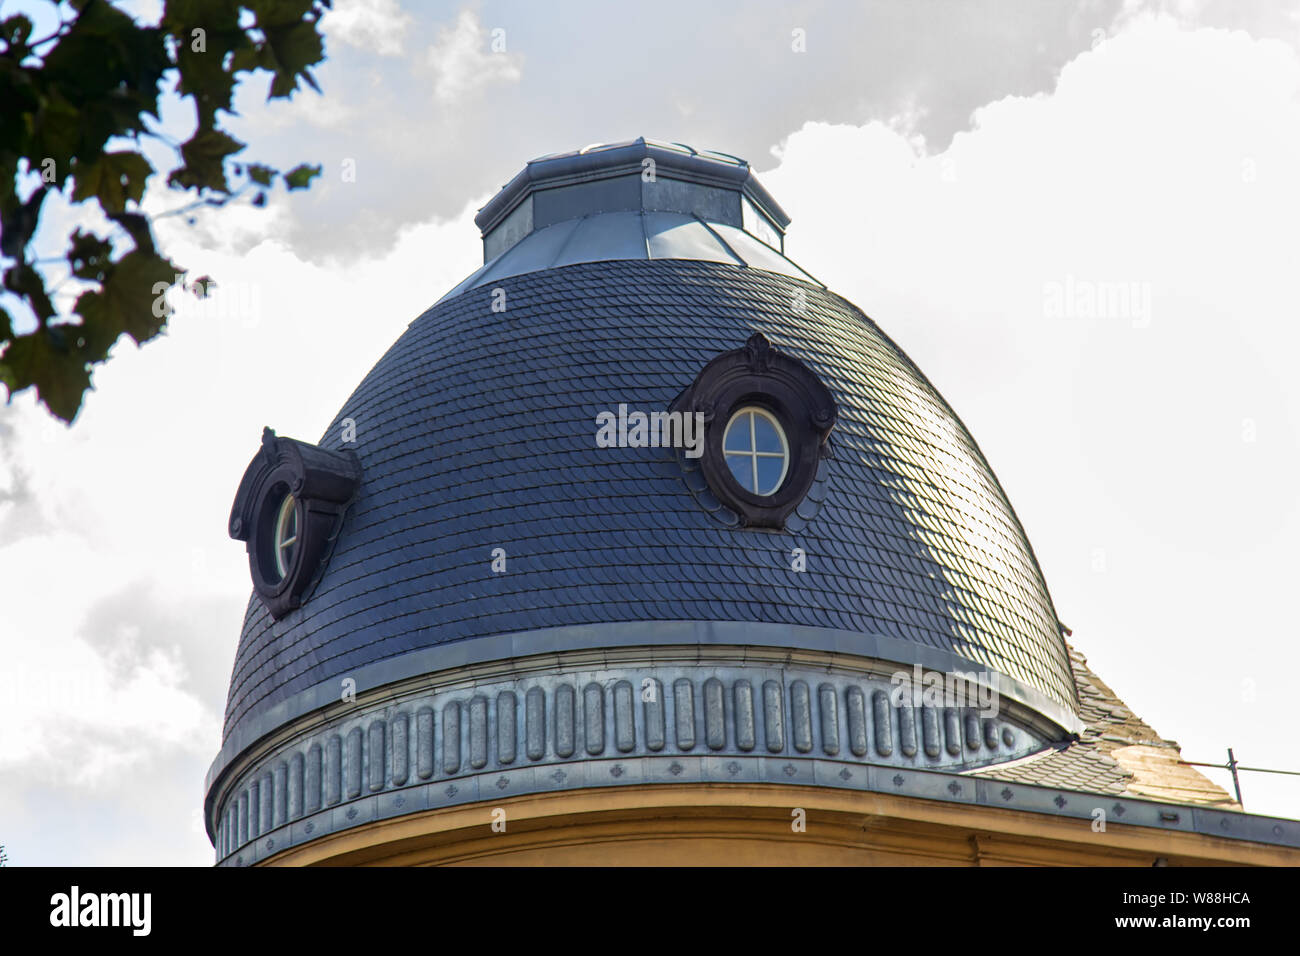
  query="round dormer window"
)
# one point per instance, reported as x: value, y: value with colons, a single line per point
x: 767, y: 420
x: 285, y: 542
x: 289, y: 511
x: 756, y: 450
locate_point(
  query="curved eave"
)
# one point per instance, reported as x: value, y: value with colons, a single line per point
x: 249, y: 732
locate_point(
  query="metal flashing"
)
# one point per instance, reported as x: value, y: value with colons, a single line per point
x: 634, y: 176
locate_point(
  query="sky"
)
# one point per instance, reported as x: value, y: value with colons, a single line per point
x: 1079, y: 219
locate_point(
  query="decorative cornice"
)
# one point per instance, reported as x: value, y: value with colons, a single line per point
x: 603, y: 641
x: 580, y: 722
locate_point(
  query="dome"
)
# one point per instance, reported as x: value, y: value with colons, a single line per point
x: 491, y: 534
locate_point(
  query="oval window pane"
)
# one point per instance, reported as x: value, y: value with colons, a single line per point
x: 767, y: 439
x: 737, y: 437
x: 286, y: 536
x: 770, y: 473
x: 756, y: 450
x: 742, y: 469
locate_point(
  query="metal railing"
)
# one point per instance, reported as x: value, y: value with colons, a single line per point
x: 1234, y: 767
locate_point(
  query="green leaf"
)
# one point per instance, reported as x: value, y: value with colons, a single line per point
x: 42, y: 360
x: 206, y: 73
x: 94, y: 84
x: 300, y: 176
x: 180, y: 13
x: 110, y: 67
x: 262, y: 175
x: 203, y: 74
x: 89, y: 256
x: 296, y: 48
x: 205, y: 155
x: 57, y: 134
x: 113, y: 179
x: 131, y: 299
x: 254, y: 56
x: 18, y: 222
x: 278, y: 13
x: 23, y: 280
x: 14, y: 31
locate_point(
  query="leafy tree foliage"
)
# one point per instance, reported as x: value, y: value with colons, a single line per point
x: 76, y: 110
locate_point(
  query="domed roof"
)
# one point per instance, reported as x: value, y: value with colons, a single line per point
x: 475, y: 432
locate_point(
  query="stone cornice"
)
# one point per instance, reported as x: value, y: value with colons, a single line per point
x: 706, y: 636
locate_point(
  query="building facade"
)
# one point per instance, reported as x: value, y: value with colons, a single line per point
x: 641, y: 546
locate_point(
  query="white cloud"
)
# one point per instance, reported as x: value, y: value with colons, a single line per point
x: 378, y: 26
x: 72, y: 714
x: 465, y: 59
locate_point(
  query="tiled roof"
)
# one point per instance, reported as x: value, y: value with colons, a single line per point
x: 1098, y: 761
x: 476, y: 431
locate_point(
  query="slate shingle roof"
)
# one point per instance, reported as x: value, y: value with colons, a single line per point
x: 476, y: 431
x: 1088, y: 764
